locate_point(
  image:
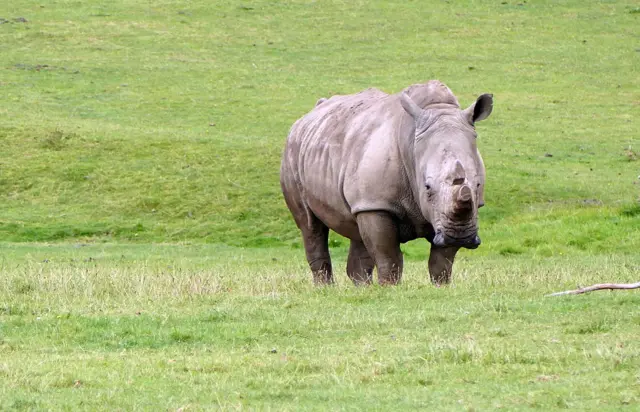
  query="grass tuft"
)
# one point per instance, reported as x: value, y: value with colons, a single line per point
x: 57, y: 140
x: 630, y: 211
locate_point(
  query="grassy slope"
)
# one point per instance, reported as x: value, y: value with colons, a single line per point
x: 112, y: 139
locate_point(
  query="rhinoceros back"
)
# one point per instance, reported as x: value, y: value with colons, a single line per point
x: 333, y: 153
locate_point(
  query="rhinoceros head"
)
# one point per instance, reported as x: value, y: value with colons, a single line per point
x: 449, y: 171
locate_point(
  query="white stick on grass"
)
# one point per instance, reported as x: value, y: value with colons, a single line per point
x: 600, y: 286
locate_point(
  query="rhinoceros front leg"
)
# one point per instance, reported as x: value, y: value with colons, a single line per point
x: 380, y: 236
x: 360, y: 264
x: 440, y: 264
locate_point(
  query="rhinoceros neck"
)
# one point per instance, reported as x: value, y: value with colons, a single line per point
x: 405, y: 141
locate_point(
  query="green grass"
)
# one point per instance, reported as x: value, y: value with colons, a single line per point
x: 147, y: 260
x: 139, y: 327
x: 165, y: 122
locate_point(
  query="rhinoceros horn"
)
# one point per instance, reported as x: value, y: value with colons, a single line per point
x: 463, y: 197
x: 463, y: 200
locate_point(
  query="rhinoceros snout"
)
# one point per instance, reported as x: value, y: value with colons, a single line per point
x: 474, y: 243
x: 441, y: 240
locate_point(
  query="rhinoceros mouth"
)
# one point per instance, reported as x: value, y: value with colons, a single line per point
x: 441, y: 239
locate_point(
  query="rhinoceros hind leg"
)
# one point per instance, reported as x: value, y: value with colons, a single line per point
x: 316, y: 245
x: 380, y: 236
x: 360, y: 264
x: 440, y: 264
x: 315, y: 234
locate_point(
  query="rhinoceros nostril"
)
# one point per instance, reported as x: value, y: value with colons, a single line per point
x: 438, y: 239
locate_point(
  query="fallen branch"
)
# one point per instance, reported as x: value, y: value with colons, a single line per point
x: 600, y: 286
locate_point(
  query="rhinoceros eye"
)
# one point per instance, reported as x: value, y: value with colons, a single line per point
x: 430, y: 191
x: 429, y: 185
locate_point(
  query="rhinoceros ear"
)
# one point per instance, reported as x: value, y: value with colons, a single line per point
x: 410, y: 106
x: 481, y: 109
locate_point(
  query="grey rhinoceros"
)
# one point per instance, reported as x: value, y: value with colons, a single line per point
x: 382, y: 170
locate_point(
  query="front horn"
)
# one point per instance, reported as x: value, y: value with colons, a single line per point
x: 463, y: 199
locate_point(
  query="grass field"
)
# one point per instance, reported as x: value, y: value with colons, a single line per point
x: 147, y: 260
x: 201, y: 327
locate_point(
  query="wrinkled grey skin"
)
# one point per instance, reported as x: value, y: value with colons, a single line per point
x: 382, y: 170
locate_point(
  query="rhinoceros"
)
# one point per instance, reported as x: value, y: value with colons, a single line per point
x: 381, y: 170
